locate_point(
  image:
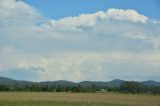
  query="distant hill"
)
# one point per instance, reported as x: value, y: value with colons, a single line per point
x: 150, y: 83
x: 113, y: 83
x: 58, y: 83
x: 7, y: 81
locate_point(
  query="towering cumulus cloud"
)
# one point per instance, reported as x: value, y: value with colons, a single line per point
x: 102, y: 46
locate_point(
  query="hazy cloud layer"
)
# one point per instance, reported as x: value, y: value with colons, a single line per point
x: 104, y: 45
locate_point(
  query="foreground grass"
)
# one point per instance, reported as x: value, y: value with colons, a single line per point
x: 76, y: 99
x: 52, y: 103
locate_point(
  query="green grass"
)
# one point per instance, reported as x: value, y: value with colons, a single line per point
x: 52, y: 103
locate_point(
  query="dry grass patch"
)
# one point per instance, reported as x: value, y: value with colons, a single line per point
x: 88, y: 99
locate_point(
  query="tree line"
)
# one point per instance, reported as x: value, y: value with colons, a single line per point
x: 126, y: 87
x: 136, y: 87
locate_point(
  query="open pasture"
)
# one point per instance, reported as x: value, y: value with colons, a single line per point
x: 76, y: 99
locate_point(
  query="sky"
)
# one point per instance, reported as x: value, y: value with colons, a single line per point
x: 78, y: 40
x: 57, y: 9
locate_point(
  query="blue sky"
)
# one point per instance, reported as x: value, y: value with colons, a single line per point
x: 102, y: 40
x: 63, y: 8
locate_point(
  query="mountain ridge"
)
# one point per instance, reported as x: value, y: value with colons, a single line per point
x: 112, y: 83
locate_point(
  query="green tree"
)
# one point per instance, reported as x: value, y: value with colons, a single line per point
x: 132, y: 87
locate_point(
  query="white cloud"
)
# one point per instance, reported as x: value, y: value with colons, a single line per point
x: 15, y: 13
x: 89, y: 20
x: 127, y: 15
x: 81, y: 20
x: 100, y: 46
x: 87, y: 66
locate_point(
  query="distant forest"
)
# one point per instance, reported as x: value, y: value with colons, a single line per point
x: 125, y: 87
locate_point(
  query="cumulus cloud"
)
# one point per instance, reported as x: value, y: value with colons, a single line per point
x: 104, y: 45
x: 128, y: 15
x: 12, y: 10
x: 89, y: 20
x: 84, y: 66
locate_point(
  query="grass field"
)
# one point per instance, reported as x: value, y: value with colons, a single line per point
x: 76, y: 99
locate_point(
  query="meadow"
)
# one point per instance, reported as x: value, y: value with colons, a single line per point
x: 76, y: 99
